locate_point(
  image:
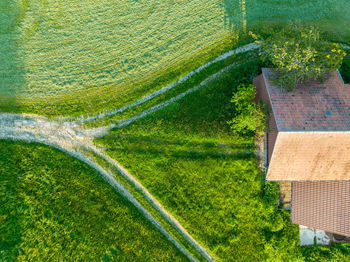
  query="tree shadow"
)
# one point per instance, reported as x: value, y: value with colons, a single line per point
x: 236, y: 15
x: 12, y: 69
x: 183, y: 149
x: 188, y: 154
x: 10, y: 180
x: 161, y: 141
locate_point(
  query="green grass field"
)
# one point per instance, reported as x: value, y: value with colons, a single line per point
x: 209, y: 179
x: 55, y: 208
x: 73, y: 57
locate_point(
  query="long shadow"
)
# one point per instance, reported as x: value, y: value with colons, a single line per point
x: 236, y: 15
x: 139, y: 139
x: 11, y: 229
x: 186, y: 154
x: 12, y: 70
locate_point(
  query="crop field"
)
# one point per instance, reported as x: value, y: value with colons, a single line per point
x: 55, y: 208
x: 75, y: 57
x: 209, y: 179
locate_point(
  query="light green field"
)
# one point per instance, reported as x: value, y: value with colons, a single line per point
x: 55, y: 208
x: 73, y: 57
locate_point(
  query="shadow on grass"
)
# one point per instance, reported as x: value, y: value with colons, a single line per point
x: 186, y: 154
x: 11, y: 225
x: 166, y: 142
x: 11, y: 65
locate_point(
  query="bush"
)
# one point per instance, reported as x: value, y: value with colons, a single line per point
x: 345, y: 70
x: 249, y: 116
x: 299, y: 54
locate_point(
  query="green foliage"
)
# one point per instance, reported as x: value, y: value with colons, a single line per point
x: 299, y: 54
x: 249, y: 117
x: 336, y: 252
x: 55, y: 208
x: 345, y: 70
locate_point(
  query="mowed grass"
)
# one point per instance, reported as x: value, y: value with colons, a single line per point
x: 55, y: 208
x: 73, y: 57
x: 209, y: 178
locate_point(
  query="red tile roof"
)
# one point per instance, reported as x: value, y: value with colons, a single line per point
x: 311, y: 106
x: 310, y: 156
x: 322, y: 205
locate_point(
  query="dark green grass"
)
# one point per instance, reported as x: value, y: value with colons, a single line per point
x: 55, y: 208
x: 209, y: 179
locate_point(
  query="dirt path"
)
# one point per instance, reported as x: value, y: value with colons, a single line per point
x: 101, y: 131
x: 101, y: 115
x: 74, y: 140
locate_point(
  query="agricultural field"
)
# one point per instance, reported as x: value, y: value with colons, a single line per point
x: 53, y: 207
x: 141, y: 92
x: 71, y: 57
x: 191, y: 161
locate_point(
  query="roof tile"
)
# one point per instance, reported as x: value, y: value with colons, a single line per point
x: 311, y: 106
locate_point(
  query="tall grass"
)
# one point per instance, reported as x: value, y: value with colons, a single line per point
x: 55, y: 208
x: 209, y: 178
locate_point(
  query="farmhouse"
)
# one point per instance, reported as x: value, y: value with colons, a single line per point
x: 308, y: 148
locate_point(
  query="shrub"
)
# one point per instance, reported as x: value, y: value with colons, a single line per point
x: 299, y: 54
x: 345, y: 70
x: 249, y: 116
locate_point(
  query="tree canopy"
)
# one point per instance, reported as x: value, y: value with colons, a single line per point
x: 299, y: 54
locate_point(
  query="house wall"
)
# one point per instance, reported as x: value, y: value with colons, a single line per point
x: 262, y: 95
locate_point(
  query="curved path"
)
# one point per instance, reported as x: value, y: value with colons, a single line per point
x: 101, y: 115
x: 74, y: 140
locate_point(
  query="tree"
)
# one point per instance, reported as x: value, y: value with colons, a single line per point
x: 299, y: 54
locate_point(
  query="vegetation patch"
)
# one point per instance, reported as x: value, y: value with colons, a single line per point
x: 53, y: 207
x: 345, y: 70
x: 72, y: 58
x: 187, y: 156
x: 195, y: 80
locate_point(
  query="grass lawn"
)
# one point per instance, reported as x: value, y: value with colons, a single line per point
x: 68, y: 57
x: 55, y: 208
x: 209, y: 179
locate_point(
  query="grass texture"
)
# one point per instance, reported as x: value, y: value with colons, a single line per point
x: 74, y: 57
x: 209, y: 179
x: 55, y: 208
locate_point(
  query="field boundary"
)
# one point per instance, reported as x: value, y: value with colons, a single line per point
x: 100, y: 115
